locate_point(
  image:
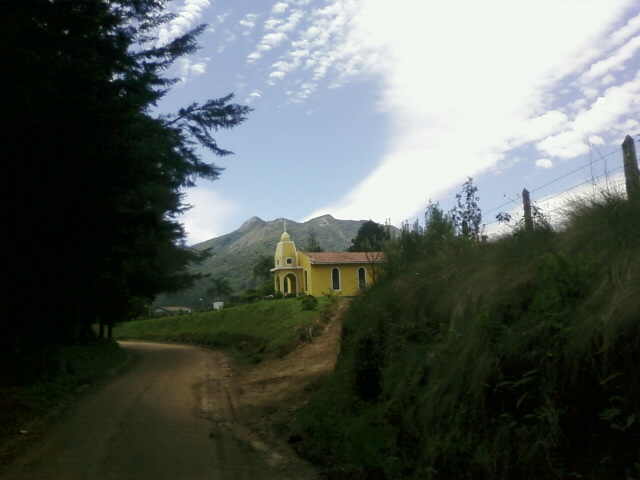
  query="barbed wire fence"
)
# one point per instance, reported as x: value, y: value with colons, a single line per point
x: 524, y: 204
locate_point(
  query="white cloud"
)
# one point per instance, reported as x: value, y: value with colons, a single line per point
x: 252, y: 96
x: 187, y: 17
x: 292, y: 21
x: 248, y: 22
x: 544, y: 163
x: 185, y: 68
x: 613, y: 62
x: 612, y: 112
x: 272, y: 23
x: 485, y: 92
x: 322, y: 36
x: 274, y: 39
x: 268, y: 42
x: 198, y: 68
x: 210, y: 215
x: 566, y: 145
x: 279, y: 7
x: 622, y: 34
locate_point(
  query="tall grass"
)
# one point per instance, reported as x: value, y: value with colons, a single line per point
x: 516, y: 358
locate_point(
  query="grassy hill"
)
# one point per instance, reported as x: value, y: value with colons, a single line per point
x: 235, y: 253
x: 516, y: 358
x: 267, y: 327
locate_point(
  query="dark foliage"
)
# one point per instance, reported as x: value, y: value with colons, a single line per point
x: 370, y: 238
x: 311, y: 243
x: 97, y: 180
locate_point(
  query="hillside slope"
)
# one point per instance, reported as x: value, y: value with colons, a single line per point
x: 515, y: 358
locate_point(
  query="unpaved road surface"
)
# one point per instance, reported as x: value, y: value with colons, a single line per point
x: 183, y: 413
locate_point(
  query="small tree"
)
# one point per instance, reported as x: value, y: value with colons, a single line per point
x: 467, y: 215
x: 262, y: 268
x: 371, y: 237
x: 220, y: 288
x: 311, y: 244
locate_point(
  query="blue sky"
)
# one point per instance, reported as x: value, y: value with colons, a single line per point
x: 370, y: 108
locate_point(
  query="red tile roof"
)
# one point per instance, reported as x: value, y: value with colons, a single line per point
x: 343, y: 257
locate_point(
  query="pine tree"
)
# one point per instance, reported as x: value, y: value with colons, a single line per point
x: 99, y: 180
x: 312, y: 244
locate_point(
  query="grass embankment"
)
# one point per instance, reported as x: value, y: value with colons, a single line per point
x: 267, y: 327
x: 511, y: 359
x: 46, y: 381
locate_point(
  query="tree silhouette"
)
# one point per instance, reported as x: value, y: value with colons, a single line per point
x: 311, y: 244
x: 220, y: 288
x: 262, y: 268
x: 78, y: 109
x: 370, y: 237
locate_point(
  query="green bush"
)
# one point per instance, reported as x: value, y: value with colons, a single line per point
x: 309, y: 302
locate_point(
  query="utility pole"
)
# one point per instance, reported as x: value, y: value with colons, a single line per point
x: 631, y: 172
x: 528, y: 219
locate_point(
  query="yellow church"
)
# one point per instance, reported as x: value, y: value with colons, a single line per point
x: 318, y: 273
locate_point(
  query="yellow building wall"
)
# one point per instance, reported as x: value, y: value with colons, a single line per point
x: 305, y: 263
x: 320, y: 281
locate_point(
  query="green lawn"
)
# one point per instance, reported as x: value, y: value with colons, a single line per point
x: 270, y: 326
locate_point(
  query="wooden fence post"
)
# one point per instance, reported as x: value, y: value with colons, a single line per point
x: 528, y: 219
x: 631, y: 172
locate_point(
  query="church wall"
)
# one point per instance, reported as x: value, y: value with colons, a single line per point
x: 305, y: 263
x: 320, y: 276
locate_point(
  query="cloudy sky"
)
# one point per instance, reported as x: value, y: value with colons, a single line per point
x: 367, y: 109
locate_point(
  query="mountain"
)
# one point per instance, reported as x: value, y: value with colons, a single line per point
x: 235, y: 254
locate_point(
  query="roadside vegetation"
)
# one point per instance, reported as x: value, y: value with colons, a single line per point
x: 514, y: 358
x: 46, y: 382
x: 268, y: 327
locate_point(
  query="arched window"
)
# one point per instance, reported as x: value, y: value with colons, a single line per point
x: 335, y: 279
x: 289, y: 261
x: 362, y: 278
x: 306, y: 281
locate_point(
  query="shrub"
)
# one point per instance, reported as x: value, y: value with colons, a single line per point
x: 309, y: 302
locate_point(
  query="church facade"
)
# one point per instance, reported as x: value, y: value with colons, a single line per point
x: 319, y: 273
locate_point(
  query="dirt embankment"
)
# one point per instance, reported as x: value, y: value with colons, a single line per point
x: 269, y: 394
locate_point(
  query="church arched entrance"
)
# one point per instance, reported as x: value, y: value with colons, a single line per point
x: 289, y: 283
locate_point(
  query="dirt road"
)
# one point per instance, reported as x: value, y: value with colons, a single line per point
x: 180, y: 413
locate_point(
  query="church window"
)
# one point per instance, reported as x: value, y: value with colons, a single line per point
x: 362, y: 279
x: 335, y: 279
x: 289, y: 261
